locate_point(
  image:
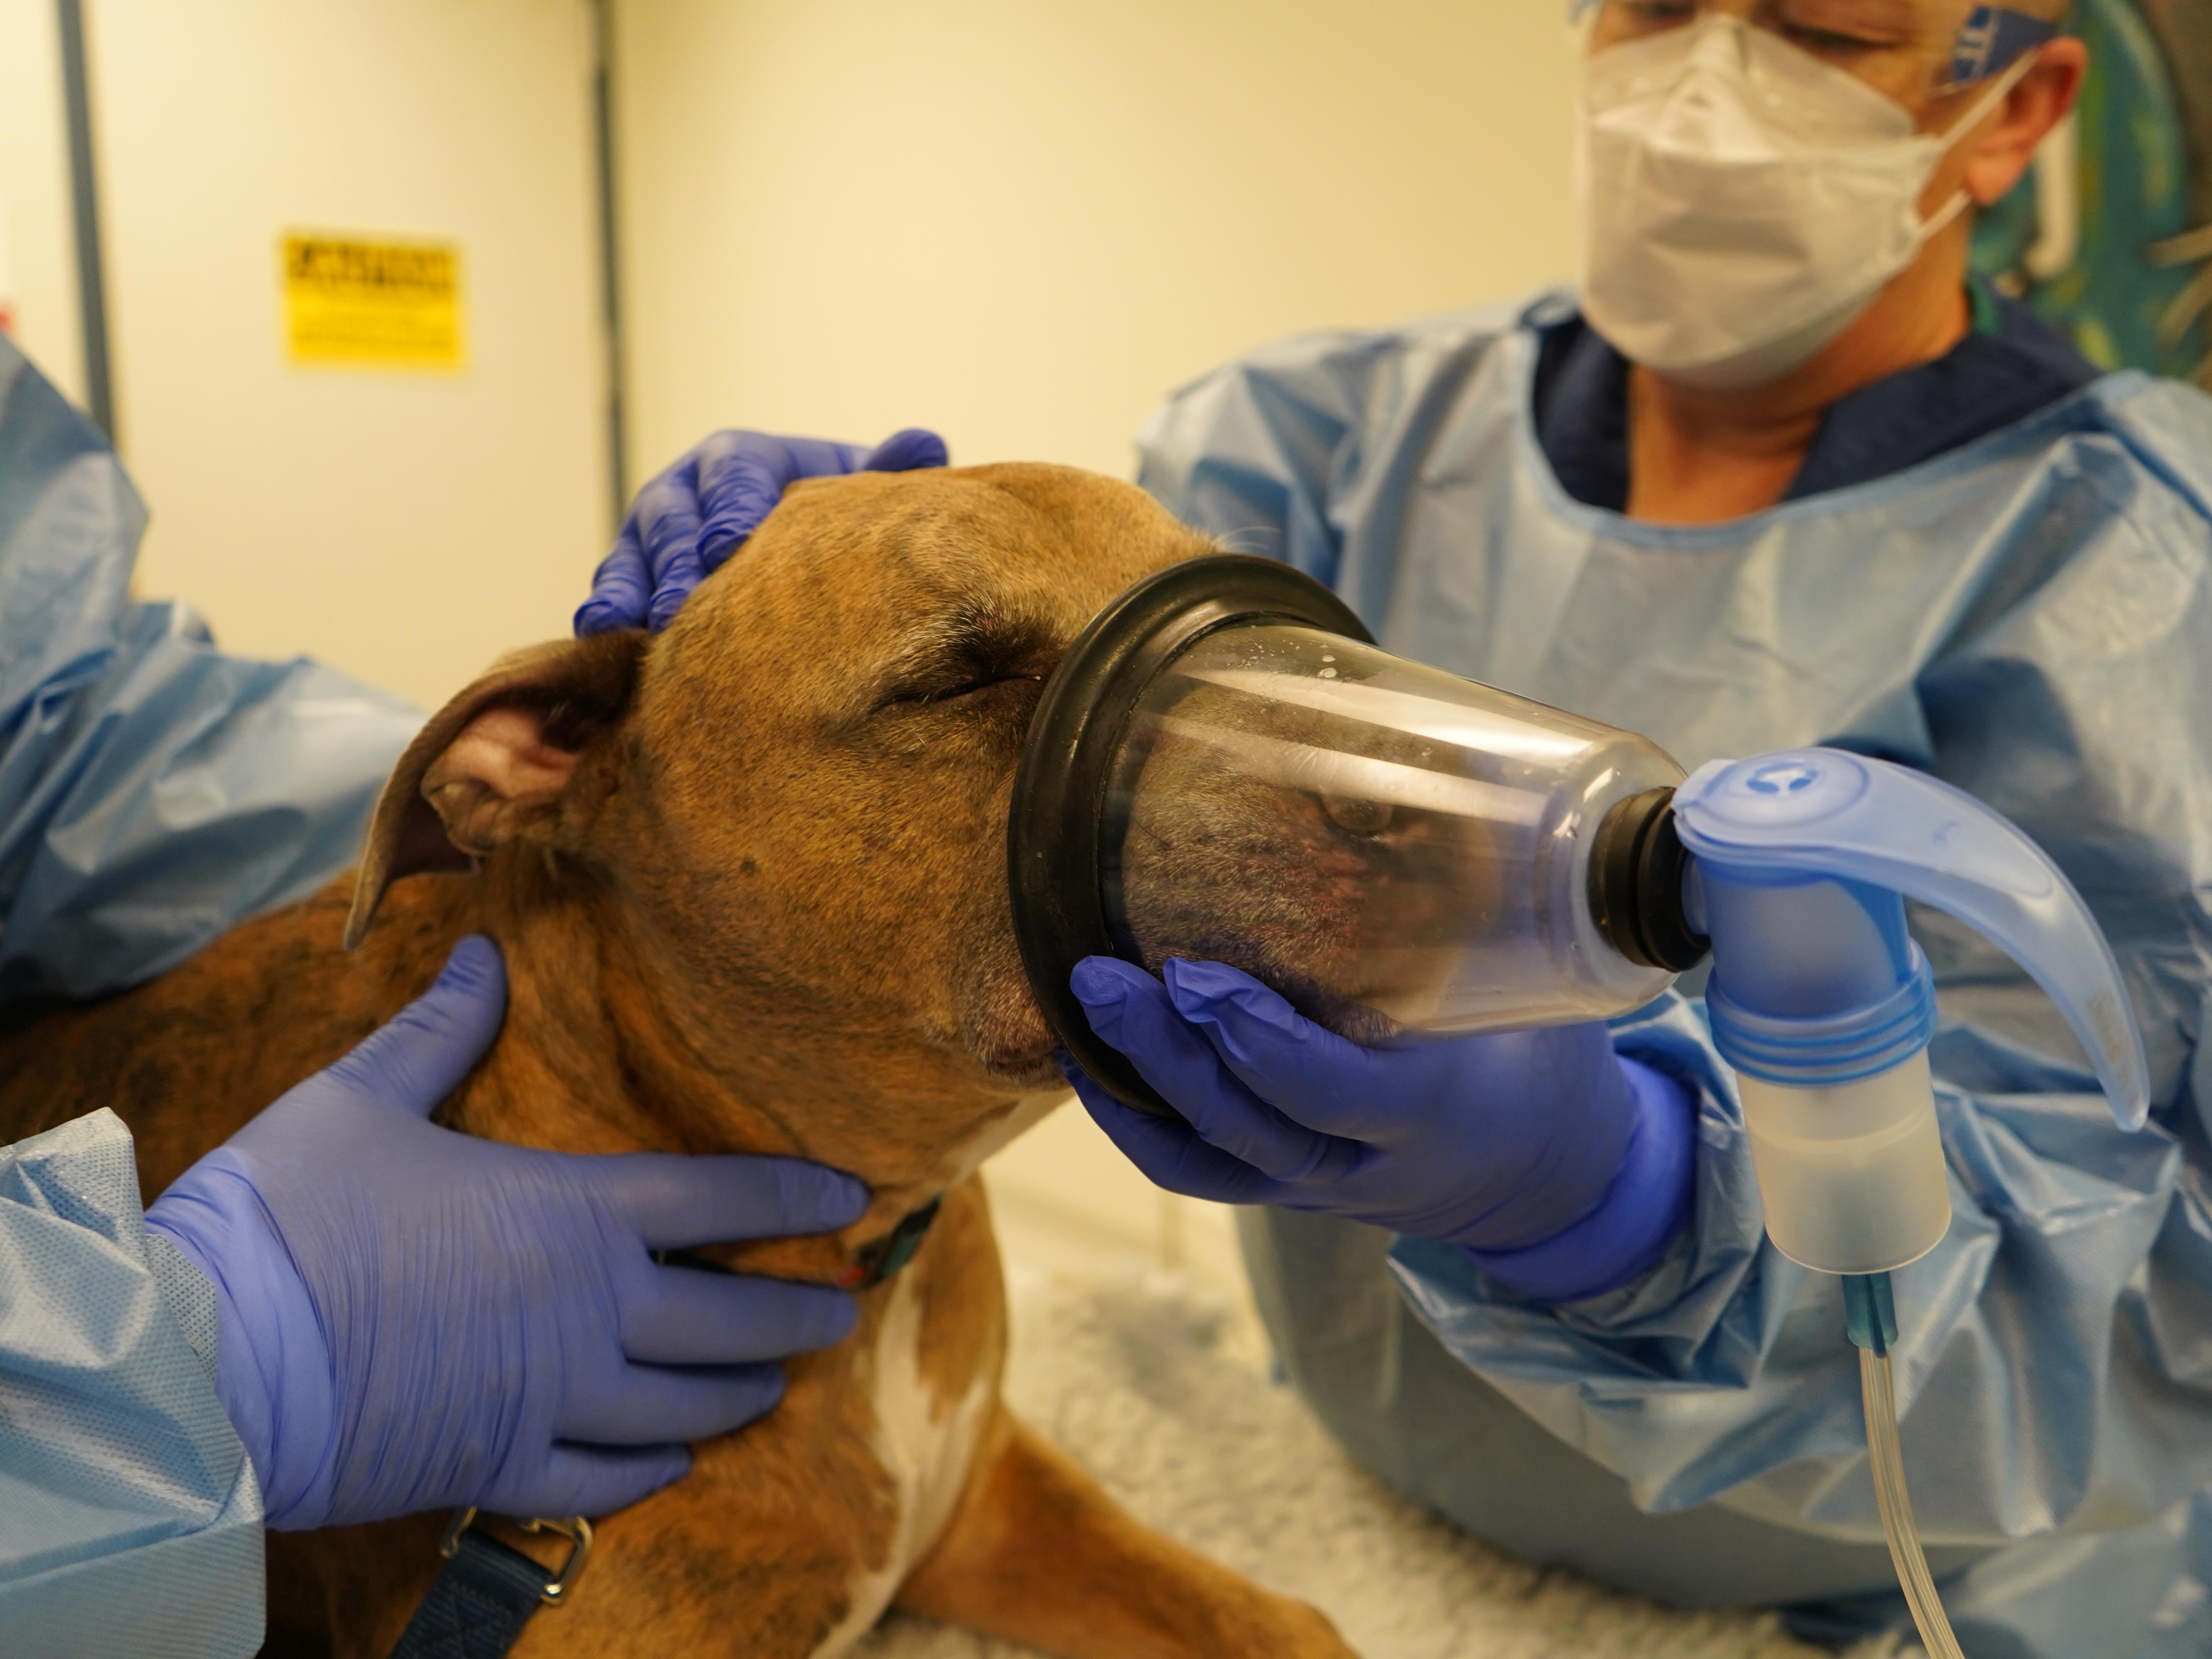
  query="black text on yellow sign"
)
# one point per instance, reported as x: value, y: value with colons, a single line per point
x: 372, y: 302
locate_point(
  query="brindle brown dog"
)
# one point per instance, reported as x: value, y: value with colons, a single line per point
x: 750, y: 881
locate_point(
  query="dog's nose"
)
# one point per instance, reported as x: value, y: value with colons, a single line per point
x: 1364, y: 818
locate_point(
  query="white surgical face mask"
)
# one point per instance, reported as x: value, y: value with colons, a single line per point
x: 1742, y: 201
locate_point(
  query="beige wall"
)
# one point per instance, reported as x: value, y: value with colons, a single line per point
x: 1023, y: 221
x: 406, y: 527
x: 40, y: 276
x: 1019, y: 221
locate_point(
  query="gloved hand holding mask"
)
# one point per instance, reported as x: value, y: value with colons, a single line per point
x: 1564, y: 1170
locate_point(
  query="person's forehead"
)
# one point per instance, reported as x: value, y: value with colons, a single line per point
x: 1874, y: 11
x: 1919, y: 20
x: 1930, y: 18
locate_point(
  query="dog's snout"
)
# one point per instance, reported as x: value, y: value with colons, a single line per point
x: 1356, y: 817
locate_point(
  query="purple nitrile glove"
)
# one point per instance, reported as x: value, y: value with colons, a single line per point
x: 1563, y: 1169
x: 689, y: 518
x: 416, y: 1319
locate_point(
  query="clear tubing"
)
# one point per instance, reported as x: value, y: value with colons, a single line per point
x: 1888, y: 1460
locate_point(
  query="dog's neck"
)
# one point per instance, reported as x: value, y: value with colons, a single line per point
x: 603, y: 1051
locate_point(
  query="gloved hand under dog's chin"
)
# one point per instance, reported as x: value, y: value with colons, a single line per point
x: 413, y: 1319
x: 1539, y: 1151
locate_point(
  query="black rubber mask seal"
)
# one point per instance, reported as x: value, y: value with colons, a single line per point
x: 1055, y: 828
x: 1636, y: 864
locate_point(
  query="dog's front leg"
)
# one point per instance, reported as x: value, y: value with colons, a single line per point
x: 1038, y: 1554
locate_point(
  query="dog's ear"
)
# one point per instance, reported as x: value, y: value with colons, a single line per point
x: 493, y: 764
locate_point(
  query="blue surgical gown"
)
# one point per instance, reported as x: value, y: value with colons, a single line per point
x: 2026, y: 615
x: 152, y: 792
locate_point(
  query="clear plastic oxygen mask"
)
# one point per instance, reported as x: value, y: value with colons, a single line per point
x: 1228, y: 771
x: 1398, y: 848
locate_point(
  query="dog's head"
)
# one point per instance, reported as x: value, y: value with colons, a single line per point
x: 794, y: 799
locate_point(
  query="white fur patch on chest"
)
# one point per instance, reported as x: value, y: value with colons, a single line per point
x: 924, y: 1443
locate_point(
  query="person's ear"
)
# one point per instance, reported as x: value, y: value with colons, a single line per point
x: 499, y: 763
x: 2045, y: 96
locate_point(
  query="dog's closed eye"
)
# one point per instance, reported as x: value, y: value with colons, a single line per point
x: 969, y: 688
x: 975, y: 655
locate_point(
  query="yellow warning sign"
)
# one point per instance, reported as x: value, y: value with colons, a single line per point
x: 352, y: 300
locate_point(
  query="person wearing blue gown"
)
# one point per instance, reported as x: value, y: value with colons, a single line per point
x: 295, y: 1333
x: 1976, y: 557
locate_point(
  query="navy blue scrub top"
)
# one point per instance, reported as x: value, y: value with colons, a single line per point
x: 2010, y: 364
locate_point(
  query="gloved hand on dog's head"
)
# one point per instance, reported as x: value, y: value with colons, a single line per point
x: 692, y: 517
x: 1563, y: 1169
x: 416, y: 1319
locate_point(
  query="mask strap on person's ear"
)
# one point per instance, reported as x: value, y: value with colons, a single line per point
x: 2006, y: 81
